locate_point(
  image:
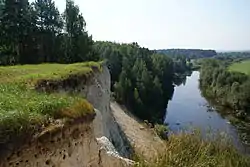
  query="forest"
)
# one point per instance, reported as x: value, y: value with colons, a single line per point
x: 189, y: 53
x: 143, y: 80
x: 37, y: 32
x: 232, y: 57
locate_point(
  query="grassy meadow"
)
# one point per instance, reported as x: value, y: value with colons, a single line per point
x: 23, y: 109
x: 243, y: 67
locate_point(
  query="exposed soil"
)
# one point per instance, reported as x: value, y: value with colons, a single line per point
x: 142, y: 138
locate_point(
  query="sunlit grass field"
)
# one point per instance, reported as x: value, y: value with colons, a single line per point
x: 243, y: 67
x: 23, y: 109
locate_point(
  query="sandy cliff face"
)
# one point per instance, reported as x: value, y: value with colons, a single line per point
x: 76, y: 144
x: 72, y: 146
x: 98, y: 93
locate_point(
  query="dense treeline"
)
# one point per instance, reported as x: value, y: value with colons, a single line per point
x: 189, y: 53
x: 38, y: 32
x: 182, y: 64
x: 232, y: 57
x: 141, y: 79
x: 230, y: 89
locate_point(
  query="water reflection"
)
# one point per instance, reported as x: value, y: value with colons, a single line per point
x: 180, y: 81
x: 189, y: 109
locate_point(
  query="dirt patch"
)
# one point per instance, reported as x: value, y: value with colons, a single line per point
x: 61, y: 147
x: 73, y: 146
x: 143, y: 139
x: 70, y: 83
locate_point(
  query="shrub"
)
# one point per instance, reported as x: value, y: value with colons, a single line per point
x: 162, y: 131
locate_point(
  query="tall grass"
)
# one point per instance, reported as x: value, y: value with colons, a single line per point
x: 190, y: 150
x: 24, y: 110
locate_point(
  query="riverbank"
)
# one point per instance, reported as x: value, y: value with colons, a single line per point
x: 242, y: 125
x: 189, y: 109
x: 229, y: 92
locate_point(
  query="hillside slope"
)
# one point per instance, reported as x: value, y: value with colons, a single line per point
x: 143, y: 139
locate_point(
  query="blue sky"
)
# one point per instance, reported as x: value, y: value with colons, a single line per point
x: 206, y: 24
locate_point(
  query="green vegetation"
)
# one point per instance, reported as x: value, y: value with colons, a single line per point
x: 230, y: 90
x: 162, y: 131
x: 243, y: 67
x: 37, y: 32
x: 189, y: 53
x: 141, y: 79
x: 21, y: 73
x: 190, y: 150
x: 33, y: 33
x: 233, y: 56
x: 23, y: 109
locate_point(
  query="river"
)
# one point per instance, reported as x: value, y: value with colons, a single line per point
x: 188, y: 109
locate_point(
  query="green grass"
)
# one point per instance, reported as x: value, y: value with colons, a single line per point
x: 190, y: 150
x: 243, y: 67
x: 44, y: 71
x: 25, y: 110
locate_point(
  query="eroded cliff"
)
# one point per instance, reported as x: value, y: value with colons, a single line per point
x: 82, y: 142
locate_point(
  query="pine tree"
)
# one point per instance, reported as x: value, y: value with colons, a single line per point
x: 79, y: 44
x: 49, y: 23
x: 15, y: 27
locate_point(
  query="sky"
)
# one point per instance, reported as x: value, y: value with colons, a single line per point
x: 222, y: 25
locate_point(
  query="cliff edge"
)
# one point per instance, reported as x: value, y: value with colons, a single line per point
x: 98, y: 138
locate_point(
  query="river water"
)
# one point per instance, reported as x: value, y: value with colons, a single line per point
x: 188, y: 109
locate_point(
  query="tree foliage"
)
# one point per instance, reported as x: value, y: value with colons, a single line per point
x: 231, y: 89
x: 189, y: 53
x: 38, y: 32
x: 141, y: 79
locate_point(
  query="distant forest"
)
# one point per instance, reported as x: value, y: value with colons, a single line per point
x: 189, y: 53
x: 199, y: 53
x: 233, y: 56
